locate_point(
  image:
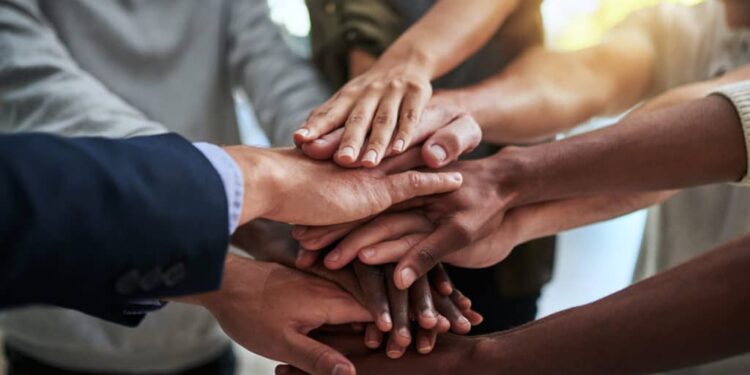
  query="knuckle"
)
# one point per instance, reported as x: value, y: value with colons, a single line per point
x: 382, y: 119
x: 426, y: 257
x: 377, y: 86
x: 462, y: 231
x: 396, y: 84
x: 411, y: 115
x: 415, y: 180
x: 356, y: 118
x: 414, y: 86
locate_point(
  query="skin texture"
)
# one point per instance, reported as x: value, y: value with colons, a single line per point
x: 649, y: 327
x: 690, y: 144
x: 284, y: 185
x: 285, y: 305
x: 270, y: 241
x: 387, y: 100
x: 445, y: 132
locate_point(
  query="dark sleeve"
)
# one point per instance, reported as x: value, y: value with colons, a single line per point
x: 337, y: 26
x: 94, y: 224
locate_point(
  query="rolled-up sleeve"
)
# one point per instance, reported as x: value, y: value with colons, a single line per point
x: 739, y: 94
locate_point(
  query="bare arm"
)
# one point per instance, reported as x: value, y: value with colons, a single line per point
x: 545, y: 92
x: 388, y: 100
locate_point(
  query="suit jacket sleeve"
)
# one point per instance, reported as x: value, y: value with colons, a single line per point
x: 95, y: 224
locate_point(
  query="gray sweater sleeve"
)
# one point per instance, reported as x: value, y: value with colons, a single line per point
x: 43, y: 89
x: 282, y: 87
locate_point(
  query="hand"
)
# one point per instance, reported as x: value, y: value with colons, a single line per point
x: 445, y: 132
x: 373, y: 287
x: 283, y: 185
x: 385, y: 102
x: 460, y: 218
x: 270, y: 309
x: 452, y: 355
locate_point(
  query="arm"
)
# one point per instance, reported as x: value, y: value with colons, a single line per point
x: 43, y: 89
x: 282, y: 86
x: 58, y: 215
x: 544, y: 92
x: 694, y: 313
x: 396, y: 89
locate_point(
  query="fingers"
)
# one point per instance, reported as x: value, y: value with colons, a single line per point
x: 420, y: 295
x: 382, y: 228
x: 356, y: 129
x: 400, y: 336
x: 413, y: 105
x: 407, y: 185
x: 390, y: 251
x: 316, y: 238
x: 441, y: 281
x: 344, y: 309
x: 462, y: 135
x: 373, y: 336
x: 316, y: 358
x: 327, y: 117
x: 458, y: 322
x: 372, y: 282
x: 426, y: 254
x: 426, y: 340
x: 306, y: 259
x: 383, y: 125
x: 324, y: 147
x: 409, y: 160
x: 460, y: 300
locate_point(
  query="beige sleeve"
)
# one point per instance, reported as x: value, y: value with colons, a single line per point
x: 739, y: 94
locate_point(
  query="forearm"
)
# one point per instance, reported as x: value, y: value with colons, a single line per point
x: 692, y: 314
x: 545, y: 92
x: 696, y: 143
x: 549, y: 218
x: 441, y: 40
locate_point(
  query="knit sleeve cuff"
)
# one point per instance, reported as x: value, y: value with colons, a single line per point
x: 739, y: 95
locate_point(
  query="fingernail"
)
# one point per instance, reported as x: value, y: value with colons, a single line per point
x: 347, y: 152
x: 424, y: 345
x: 386, y: 318
x: 303, y: 132
x: 408, y: 276
x: 438, y: 152
x: 463, y: 321
x: 371, y: 157
x: 456, y: 177
x: 446, y: 286
x: 334, y: 255
x: 340, y: 369
x: 398, y: 146
x: 300, y: 253
x: 393, y: 353
x: 371, y: 341
x: 368, y: 252
x: 283, y: 370
x: 404, y: 332
x: 320, y: 141
x: 429, y: 314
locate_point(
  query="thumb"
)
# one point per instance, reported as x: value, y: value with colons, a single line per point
x: 462, y: 135
x: 315, y: 358
x: 427, y: 253
x: 410, y: 184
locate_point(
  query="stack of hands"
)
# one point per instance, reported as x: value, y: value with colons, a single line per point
x: 378, y: 200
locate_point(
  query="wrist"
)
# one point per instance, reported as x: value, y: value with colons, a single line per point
x: 511, y: 167
x: 261, y: 181
x: 414, y: 59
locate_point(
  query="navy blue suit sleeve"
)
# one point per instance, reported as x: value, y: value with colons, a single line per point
x: 92, y: 223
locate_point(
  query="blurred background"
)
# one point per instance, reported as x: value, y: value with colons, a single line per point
x: 591, y: 262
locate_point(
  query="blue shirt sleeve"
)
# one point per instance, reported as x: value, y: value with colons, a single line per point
x: 231, y: 176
